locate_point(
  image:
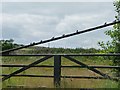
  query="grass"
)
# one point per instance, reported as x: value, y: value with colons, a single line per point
x: 65, y: 82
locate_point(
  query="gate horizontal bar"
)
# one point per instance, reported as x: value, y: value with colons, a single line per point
x: 48, y: 66
x: 48, y: 76
x: 84, y: 54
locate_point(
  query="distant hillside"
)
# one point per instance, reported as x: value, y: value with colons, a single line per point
x: 47, y: 50
x: 9, y: 44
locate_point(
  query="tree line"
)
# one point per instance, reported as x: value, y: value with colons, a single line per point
x: 9, y: 44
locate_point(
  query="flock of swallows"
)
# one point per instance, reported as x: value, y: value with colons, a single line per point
x: 62, y: 35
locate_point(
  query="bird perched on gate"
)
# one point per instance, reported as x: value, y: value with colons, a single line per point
x: 77, y: 31
x: 52, y: 38
x: 105, y: 23
x: 33, y: 43
x: 41, y: 41
x: 63, y: 35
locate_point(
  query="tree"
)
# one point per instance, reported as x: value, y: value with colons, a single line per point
x: 113, y: 46
x: 7, y: 44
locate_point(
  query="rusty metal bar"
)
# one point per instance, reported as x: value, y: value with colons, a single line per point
x: 61, y: 37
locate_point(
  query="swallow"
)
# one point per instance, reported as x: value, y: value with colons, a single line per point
x: 63, y: 35
x: 41, y: 41
x: 77, y: 31
x: 105, y: 23
x: 52, y: 37
x: 114, y: 21
x: 33, y: 43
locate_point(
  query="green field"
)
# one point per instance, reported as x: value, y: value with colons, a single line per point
x: 65, y: 82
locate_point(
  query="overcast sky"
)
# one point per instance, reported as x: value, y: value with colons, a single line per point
x: 27, y: 22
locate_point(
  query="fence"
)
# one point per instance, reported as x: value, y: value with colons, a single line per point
x: 57, y: 67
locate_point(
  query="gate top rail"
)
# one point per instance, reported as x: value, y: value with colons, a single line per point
x: 61, y: 37
x: 83, y: 54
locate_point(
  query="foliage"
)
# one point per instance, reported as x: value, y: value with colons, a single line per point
x: 46, y: 50
x: 113, y: 46
x: 7, y: 44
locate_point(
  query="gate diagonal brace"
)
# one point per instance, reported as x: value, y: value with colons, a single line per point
x: 90, y: 68
x: 25, y: 68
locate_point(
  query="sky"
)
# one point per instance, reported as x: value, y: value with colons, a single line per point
x: 27, y: 22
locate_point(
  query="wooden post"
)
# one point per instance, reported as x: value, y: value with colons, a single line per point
x: 57, y: 70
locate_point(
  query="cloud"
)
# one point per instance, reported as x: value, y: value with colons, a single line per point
x: 27, y: 26
x: 74, y: 22
x: 30, y: 22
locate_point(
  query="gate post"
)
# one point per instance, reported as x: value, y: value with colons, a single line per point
x: 57, y: 70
